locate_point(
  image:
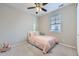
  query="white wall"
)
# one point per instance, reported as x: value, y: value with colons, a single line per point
x: 78, y: 28
x: 77, y: 19
x: 14, y: 24
x: 68, y: 32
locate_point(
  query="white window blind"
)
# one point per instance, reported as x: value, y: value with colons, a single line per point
x: 55, y: 23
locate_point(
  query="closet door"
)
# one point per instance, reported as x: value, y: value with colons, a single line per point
x: 78, y: 28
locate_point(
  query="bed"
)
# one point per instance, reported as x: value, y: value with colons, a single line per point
x: 45, y: 43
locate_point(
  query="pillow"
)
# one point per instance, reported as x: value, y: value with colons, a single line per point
x: 33, y: 33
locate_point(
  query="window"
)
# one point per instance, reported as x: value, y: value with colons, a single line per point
x: 55, y: 23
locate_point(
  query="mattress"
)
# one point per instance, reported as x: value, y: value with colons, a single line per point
x: 45, y: 43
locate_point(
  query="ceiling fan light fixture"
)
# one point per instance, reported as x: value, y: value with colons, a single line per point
x: 38, y: 9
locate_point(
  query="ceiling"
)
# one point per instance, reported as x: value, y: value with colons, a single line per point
x: 23, y: 6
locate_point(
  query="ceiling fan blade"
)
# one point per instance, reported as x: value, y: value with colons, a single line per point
x: 35, y: 3
x: 45, y: 4
x: 44, y: 9
x: 30, y: 7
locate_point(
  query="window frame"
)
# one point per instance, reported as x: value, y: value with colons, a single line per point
x: 57, y: 22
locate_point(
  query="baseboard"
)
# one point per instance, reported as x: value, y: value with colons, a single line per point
x: 68, y: 46
x: 18, y: 43
x: 59, y: 43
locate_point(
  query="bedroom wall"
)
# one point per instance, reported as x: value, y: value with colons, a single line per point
x: 78, y: 28
x: 69, y: 28
x: 14, y: 24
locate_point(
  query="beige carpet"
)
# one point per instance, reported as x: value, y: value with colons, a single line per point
x: 25, y: 49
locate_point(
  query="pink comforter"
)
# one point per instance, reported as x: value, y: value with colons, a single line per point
x: 43, y: 42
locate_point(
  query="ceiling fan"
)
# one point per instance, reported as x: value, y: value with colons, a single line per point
x: 39, y: 7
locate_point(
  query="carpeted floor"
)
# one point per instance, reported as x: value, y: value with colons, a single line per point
x: 25, y: 49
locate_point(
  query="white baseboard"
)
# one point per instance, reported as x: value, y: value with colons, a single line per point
x: 59, y: 43
x: 18, y: 43
x: 68, y: 46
